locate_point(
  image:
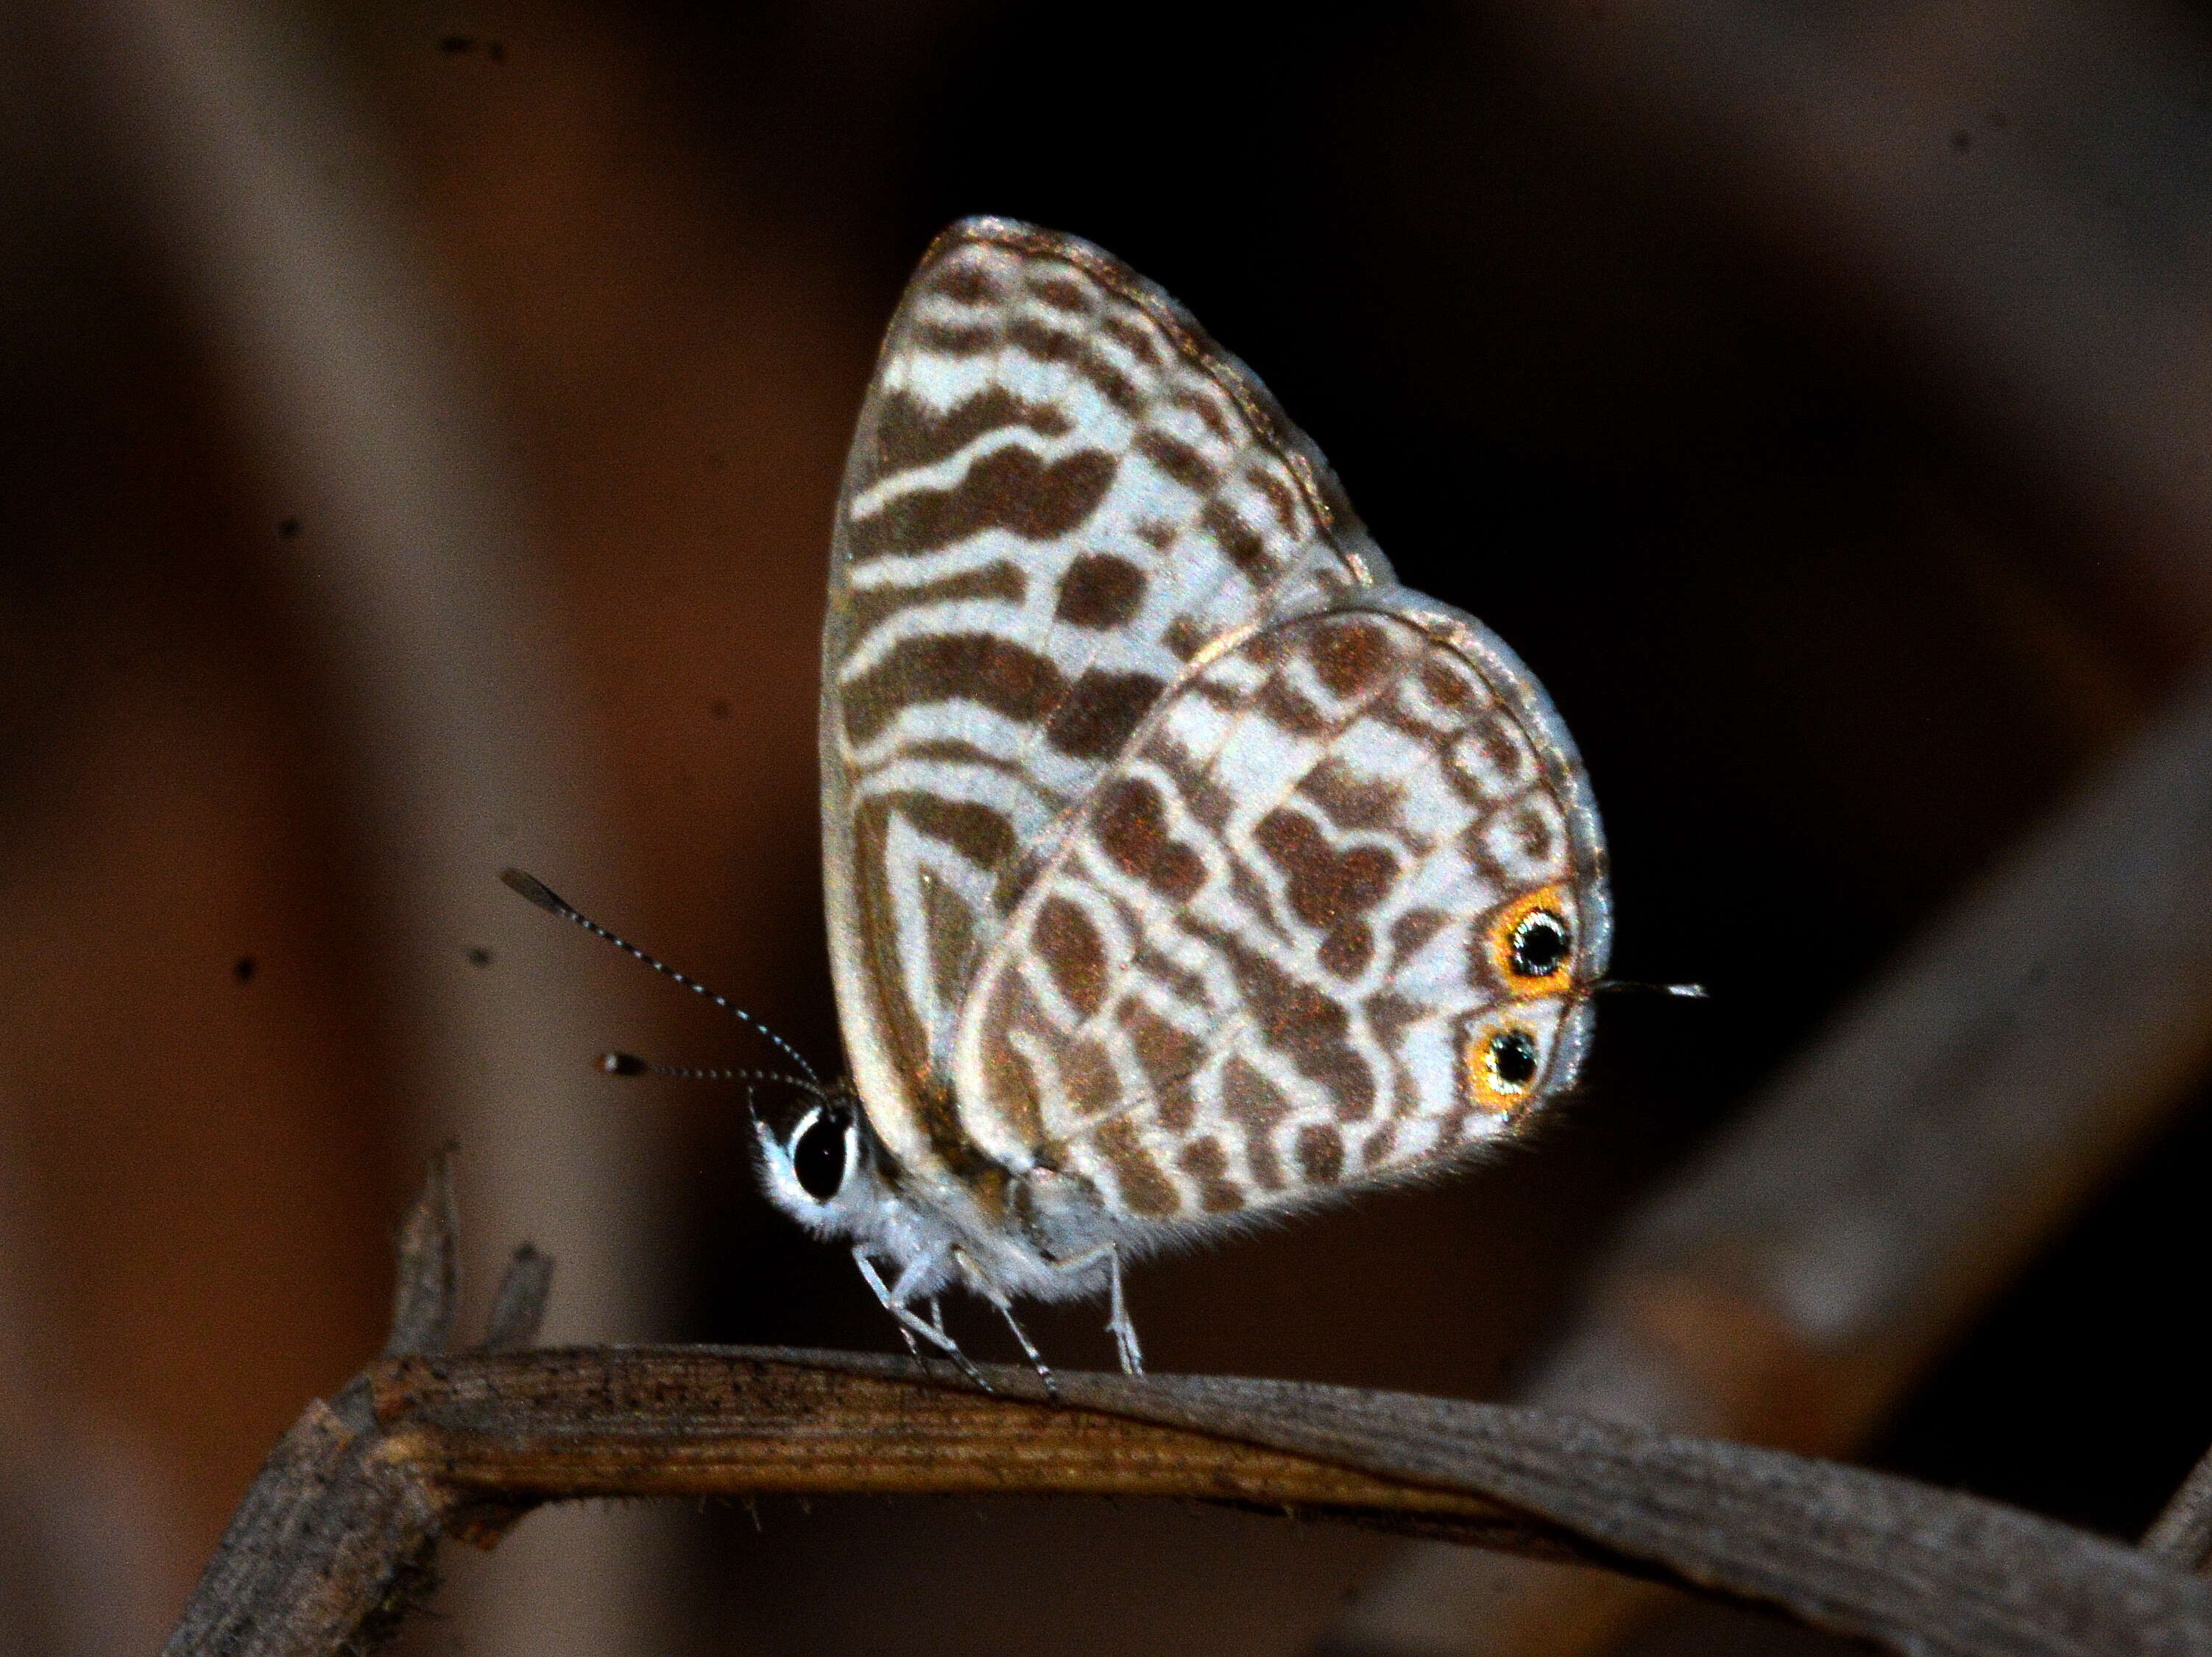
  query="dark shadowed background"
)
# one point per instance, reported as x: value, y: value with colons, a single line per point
x: 419, y: 426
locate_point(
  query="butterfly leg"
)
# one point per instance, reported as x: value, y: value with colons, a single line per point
x: 913, y: 1346
x: 1029, y: 1348
x: 1123, y: 1331
x: 991, y: 1292
x: 1118, y: 1325
x: 910, y: 1324
x: 1117, y: 1321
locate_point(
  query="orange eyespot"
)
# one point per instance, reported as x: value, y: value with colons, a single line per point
x: 1504, y: 1062
x: 1532, y: 943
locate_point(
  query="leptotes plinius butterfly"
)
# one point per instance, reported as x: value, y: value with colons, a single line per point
x: 1179, y: 864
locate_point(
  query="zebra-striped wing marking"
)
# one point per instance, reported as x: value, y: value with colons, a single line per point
x: 1061, y: 493
x: 1335, y: 914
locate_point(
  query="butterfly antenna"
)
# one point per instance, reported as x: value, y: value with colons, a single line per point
x: 547, y: 899
x: 628, y: 1063
x: 1687, y: 992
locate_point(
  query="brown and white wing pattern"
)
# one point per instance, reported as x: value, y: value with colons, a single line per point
x: 1061, y: 493
x: 1334, y: 917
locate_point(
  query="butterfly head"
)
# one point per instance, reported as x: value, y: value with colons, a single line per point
x: 819, y: 1162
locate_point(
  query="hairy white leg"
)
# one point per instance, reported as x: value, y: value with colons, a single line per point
x: 991, y: 1292
x: 1117, y: 1321
x: 910, y: 1324
x: 918, y: 1270
x: 1124, y: 1332
x: 868, y: 1270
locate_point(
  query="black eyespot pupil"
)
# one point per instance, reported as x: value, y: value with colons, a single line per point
x: 1513, y: 1059
x: 1539, y: 944
x: 818, y: 1158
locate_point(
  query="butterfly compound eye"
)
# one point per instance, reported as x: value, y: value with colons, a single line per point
x: 818, y: 1157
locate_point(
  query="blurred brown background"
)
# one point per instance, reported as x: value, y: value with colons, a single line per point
x: 418, y: 430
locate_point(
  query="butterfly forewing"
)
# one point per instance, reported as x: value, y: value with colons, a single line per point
x: 1060, y: 495
x: 1336, y: 914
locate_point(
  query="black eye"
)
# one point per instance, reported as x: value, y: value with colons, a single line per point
x: 1539, y: 944
x: 818, y: 1158
x: 1513, y: 1060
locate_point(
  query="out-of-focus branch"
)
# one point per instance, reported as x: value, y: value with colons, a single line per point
x: 249, y: 175
x: 520, y: 1307
x: 2017, y: 197
x: 2182, y: 1535
x: 233, y: 155
x: 82, y: 1529
x: 2020, y: 193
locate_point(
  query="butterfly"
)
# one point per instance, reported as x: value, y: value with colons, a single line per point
x: 1182, y: 869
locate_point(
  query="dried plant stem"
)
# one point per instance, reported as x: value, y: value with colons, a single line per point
x: 336, y: 1540
x: 698, y: 1421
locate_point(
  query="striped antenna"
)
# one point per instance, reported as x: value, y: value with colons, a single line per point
x: 547, y: 899
x: 628, y: 1063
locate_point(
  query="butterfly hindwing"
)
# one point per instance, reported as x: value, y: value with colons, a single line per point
x: 1334, y: 915
x: 1061, y: 493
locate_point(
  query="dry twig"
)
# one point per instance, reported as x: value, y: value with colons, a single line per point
x: 335, y: 1542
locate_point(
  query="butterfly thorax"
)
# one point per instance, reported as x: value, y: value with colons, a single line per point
x: 952, y: 1214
